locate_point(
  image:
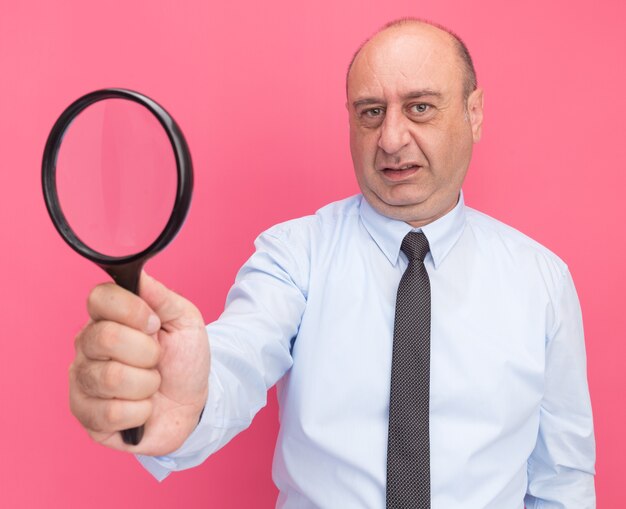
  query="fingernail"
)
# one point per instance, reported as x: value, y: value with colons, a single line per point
x: 154, y: 324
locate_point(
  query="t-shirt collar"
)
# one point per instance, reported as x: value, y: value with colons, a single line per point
x: 388, y: 233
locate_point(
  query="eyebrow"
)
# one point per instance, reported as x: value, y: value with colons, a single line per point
x: 415, y: 94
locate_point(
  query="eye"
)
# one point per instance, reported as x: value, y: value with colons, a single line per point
x: 371, y: 117
x: 373, y: 112
x: 419, y: 108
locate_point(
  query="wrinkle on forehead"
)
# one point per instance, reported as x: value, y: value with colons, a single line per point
x: 372, y: 72
x: 417, y: 53
x: 382, y: 73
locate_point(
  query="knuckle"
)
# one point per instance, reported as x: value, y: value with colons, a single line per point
x: 80, y: 414
x: 86, y: 341
x: 93, y: 299
x: 83, y: 377
x: 94, y: 435
x: 82, y: 335
x: 80, y: 408
x: 108, y: 336
x: 78, y: 339
x: 74, y: 405
x: 112, y: 376
x: 113, y: 413
x: 71, y: 373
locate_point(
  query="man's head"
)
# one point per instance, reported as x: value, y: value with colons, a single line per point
x: 415, y: 113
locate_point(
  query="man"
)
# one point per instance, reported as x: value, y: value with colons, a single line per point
x: 499, y: 366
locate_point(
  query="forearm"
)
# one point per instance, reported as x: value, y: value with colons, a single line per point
x: 250, y: 351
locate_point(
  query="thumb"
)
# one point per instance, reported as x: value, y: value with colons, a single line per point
x: 168, y: 305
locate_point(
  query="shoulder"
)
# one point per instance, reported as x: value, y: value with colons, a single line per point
x: 338, y: 214
x: 496, y: 235
x: 290, y: 246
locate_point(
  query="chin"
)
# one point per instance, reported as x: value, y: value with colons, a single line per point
x: 403, y: 210
x: 403, y: 200
x: 415, y: 210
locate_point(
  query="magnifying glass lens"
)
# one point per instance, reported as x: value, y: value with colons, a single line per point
x: 116, y: 177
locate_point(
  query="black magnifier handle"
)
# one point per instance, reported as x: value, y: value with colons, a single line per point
x: 127, y: 276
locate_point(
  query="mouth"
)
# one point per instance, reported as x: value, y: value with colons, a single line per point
x: 399, y: 173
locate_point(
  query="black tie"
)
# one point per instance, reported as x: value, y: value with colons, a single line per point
x: 408, y: 449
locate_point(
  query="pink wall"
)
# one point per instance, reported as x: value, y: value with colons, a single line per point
x: 258, y: 90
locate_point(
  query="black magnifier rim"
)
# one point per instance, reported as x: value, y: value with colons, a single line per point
x: 184, y: 169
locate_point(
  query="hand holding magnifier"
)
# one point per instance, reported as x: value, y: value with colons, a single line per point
x: 117, y: 180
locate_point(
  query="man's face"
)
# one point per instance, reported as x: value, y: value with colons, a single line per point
x: 411, y: 130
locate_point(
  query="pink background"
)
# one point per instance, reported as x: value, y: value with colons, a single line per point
x: 258, y: 88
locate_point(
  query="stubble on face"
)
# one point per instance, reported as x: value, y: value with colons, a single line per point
x: 411, y: 129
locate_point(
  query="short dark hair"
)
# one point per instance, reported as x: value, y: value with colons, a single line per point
x: 470, y: 82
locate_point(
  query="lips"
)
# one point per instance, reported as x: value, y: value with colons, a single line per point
x: 401, y: 172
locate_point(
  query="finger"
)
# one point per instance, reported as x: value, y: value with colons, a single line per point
x: 168, y: 305
x: 109, y: 415
x: 105, y: 340
x: 110, y: 439
x: 111, y: 302
x: 111, y: 379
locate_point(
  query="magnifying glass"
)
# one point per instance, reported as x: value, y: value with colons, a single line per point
x: 117, y: 180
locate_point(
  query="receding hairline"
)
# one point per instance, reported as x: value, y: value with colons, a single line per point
x: 470, y: 81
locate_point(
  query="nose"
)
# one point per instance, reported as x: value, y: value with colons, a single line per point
x: 394, y: 134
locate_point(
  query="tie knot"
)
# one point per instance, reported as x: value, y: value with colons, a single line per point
x: 415, y: 246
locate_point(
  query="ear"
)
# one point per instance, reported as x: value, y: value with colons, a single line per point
x: 475, y: 113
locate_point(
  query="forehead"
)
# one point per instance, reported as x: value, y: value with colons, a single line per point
x: 401, y: 60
